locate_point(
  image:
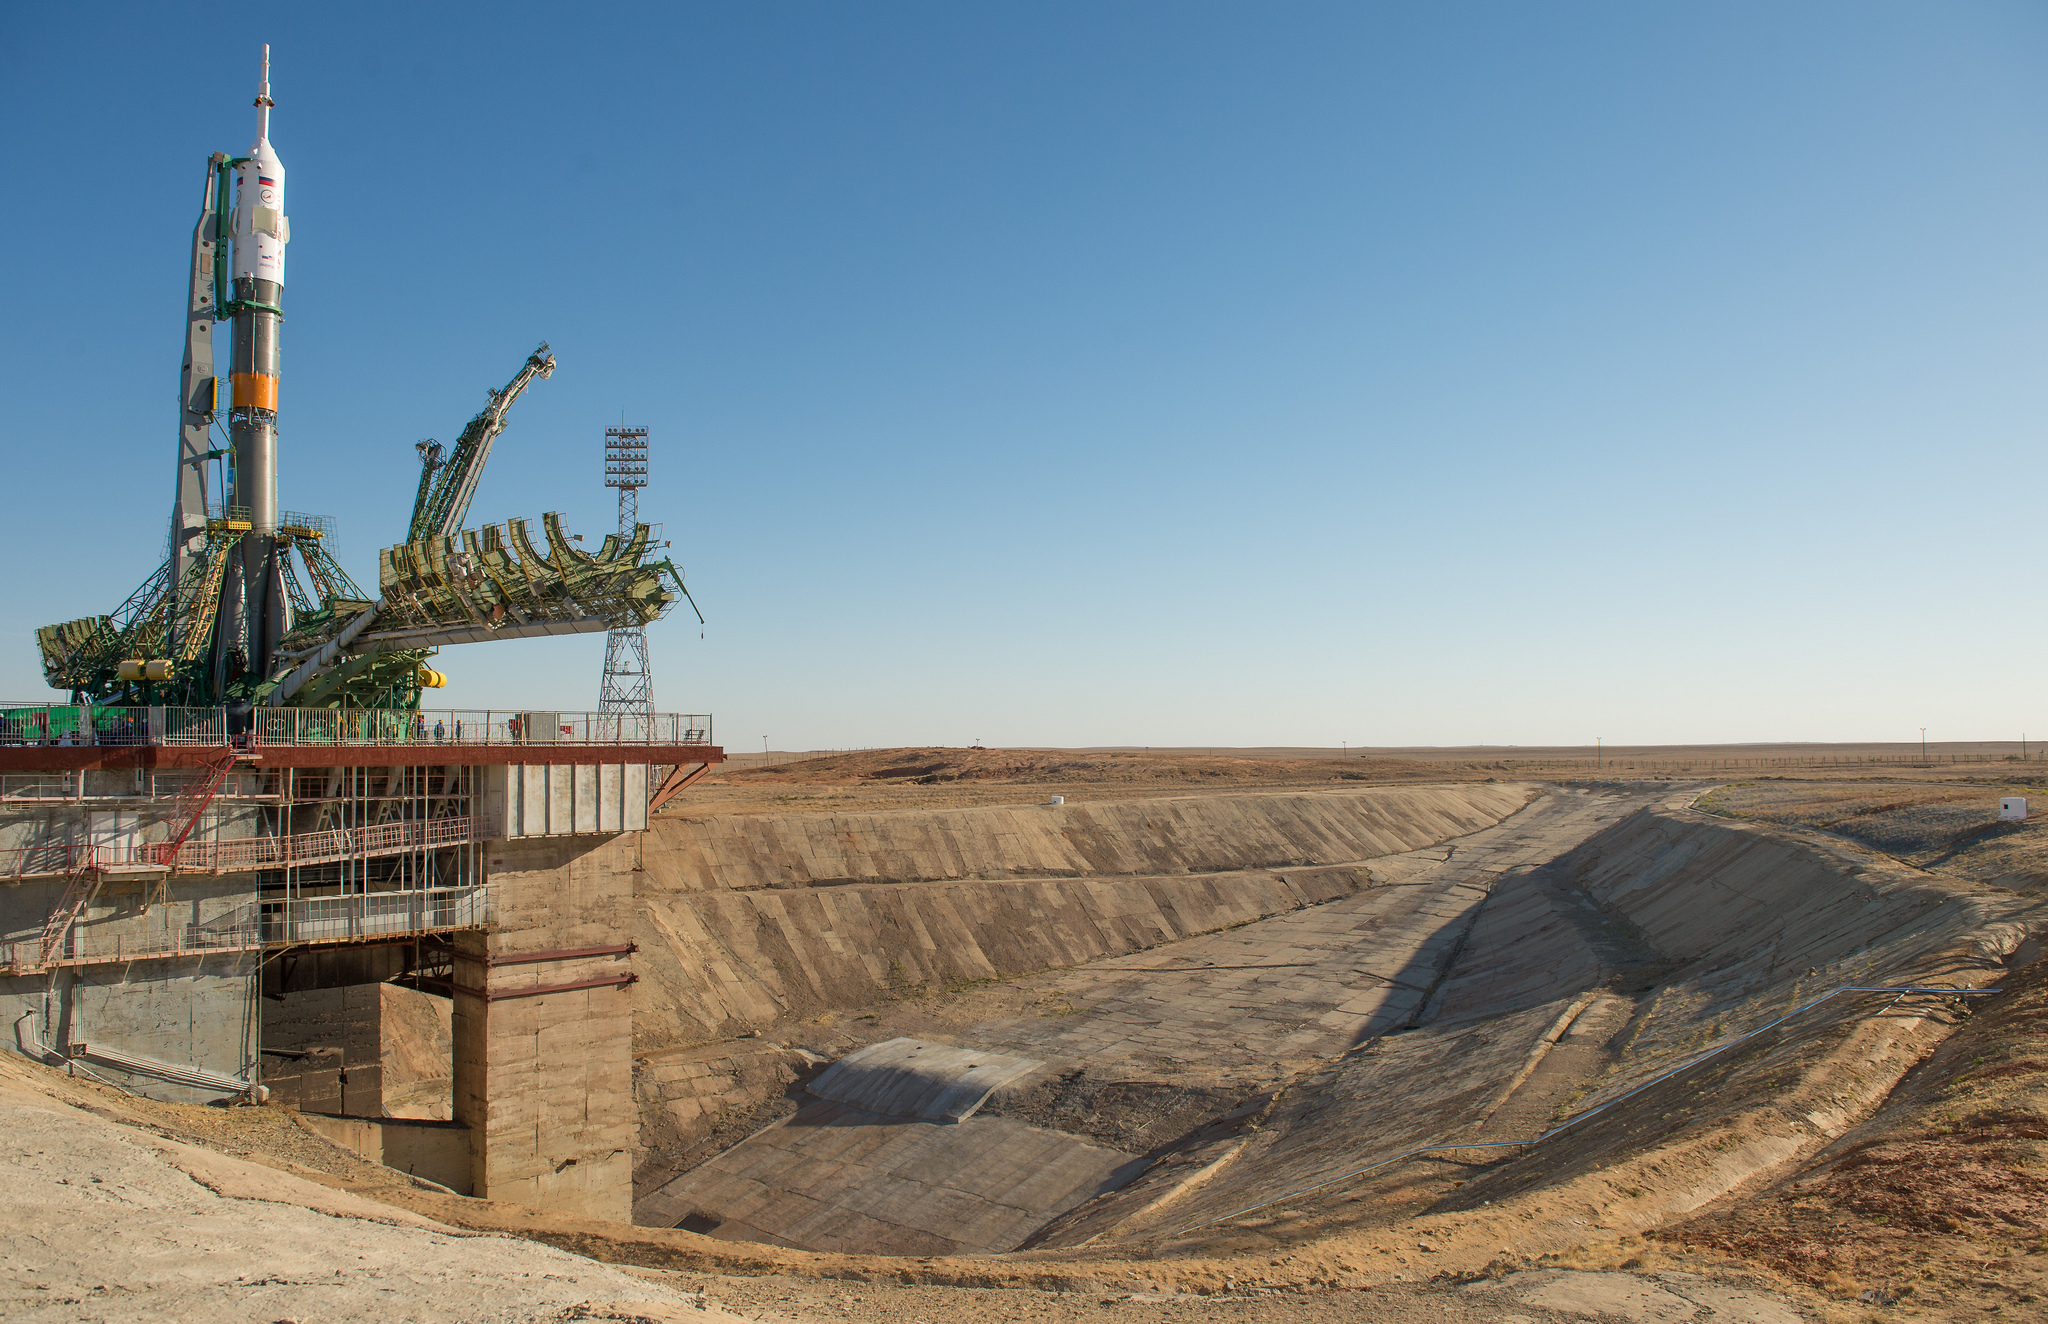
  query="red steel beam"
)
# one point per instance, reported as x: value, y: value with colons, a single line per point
x: 538, y: 989
x: 557, y: 954
x: 678, y: 781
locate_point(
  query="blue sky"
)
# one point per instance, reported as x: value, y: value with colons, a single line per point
x: 1167, y: 373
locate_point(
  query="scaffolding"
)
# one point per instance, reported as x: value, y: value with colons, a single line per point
x: 335, y: 854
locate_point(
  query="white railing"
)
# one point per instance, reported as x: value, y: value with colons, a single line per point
x: 86, y: 724
x: 82, y: 947
x: 268, y: 923
x: 241, y: 854
x: 93, y: 724
x: 375, y: 914
x: 475, y: 726
x: 40, y: 786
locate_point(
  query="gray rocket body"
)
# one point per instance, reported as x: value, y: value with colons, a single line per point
x: 252, y: 428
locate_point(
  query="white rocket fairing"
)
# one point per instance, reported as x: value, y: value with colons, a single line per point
x: 261, y: 229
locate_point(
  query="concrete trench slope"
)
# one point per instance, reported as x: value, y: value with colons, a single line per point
x: 1240, y: 1009
x: 913, y: 1078
x: 1209, y: 833
x: 1650, y: 943
x: 751, y: 921
x: 1476, y: 991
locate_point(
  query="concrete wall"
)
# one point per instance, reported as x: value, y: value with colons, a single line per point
x: 187, y: 1011
x: 338, y: 1030
x: 695, y: 1101
x: 1696, y: 930
x: 371, y: 1050
x: 131, y: 910
x: 416, y: 1046
x: 564, y: 799
x: 545, y: 1083
x: 750, y: 922
x: 438, y: 1151
x: 27, y: 823
x: 1756, y: 919
x: 738, y: 926
x: 713, y: 966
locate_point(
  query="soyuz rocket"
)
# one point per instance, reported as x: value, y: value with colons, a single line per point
x: 253, y: 615
x: 260, y: 232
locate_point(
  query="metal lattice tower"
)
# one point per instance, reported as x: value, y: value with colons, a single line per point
x: 628, y: 683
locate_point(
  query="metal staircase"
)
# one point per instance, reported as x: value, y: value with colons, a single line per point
x: 81, y: 885
x: 83, y: 881
x: 190, y: 804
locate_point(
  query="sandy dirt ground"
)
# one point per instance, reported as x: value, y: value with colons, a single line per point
x: 1940, y: 1200
x: 936, y: 777
x: 1945, y: 827
x: 106, y: 1216
x: 102, y: 1222
x: 110, y: 1213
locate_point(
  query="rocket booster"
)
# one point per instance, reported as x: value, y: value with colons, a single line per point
x: 260, y: 231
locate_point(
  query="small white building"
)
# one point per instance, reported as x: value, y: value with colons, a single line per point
x: 2012, y: 806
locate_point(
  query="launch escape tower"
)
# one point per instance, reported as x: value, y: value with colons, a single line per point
x: 242, y: 835
x: 628, y: 683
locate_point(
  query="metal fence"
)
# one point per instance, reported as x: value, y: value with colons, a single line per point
x: 268, y: 923
x: 91, y: 724
x: 59, y: 857
x: 475, y: 726
x: 375, y: 914
x: 241, y: 854
x: 244, y: 854
x: 40, y: 786
x: 83, y: 947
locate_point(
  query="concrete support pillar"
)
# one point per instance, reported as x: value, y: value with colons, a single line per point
x: 544, y: 1072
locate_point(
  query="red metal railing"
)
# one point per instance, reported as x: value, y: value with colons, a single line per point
x: 242, y: 854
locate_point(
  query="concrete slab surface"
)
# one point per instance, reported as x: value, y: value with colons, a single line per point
x: 839, y: 1178
x: 916, y: 1078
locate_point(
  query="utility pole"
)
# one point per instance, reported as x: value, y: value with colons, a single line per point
x: 1923, y: 745
x: 628, y: 690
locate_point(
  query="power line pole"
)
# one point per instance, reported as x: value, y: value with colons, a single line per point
x: 628, y: 682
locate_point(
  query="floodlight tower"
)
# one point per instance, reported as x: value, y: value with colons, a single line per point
x: 628, y: 686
